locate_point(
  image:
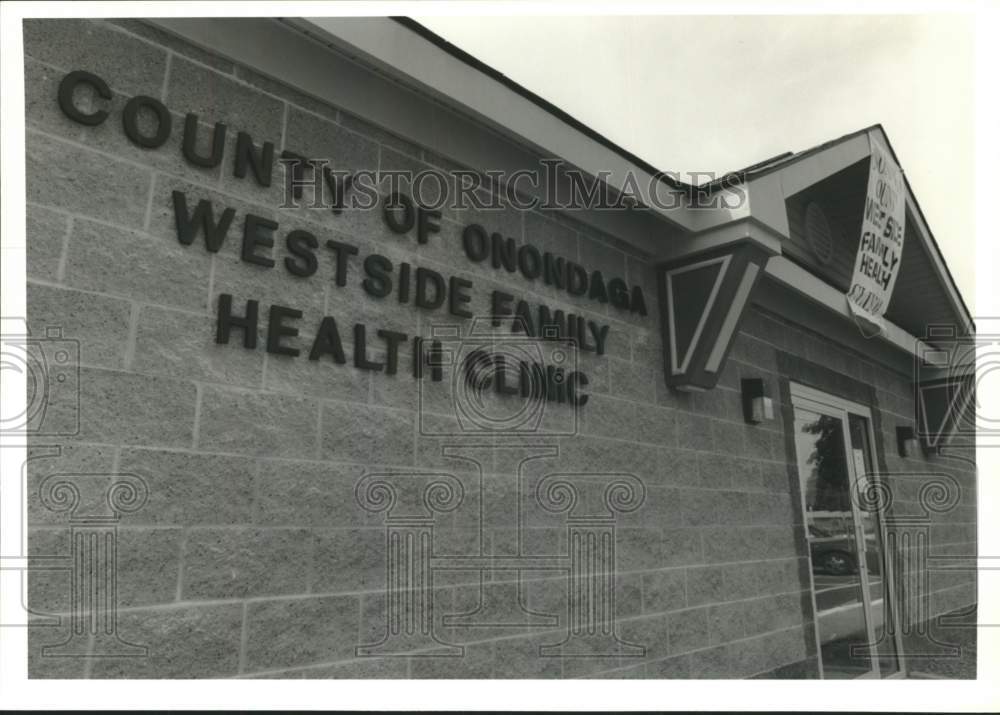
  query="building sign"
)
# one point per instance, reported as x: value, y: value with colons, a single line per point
x: 264, y: 245
x: 881, y: 247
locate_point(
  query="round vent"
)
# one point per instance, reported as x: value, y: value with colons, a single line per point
x: 818, y: 233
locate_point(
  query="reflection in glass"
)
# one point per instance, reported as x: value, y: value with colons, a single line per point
x: 825, y: 481
x: 881, y: 603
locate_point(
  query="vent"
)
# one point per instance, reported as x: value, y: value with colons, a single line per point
x: 819, y: 233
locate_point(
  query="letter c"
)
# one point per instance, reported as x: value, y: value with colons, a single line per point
x: 68, y: 86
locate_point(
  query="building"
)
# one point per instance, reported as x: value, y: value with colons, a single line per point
x: 308, y: 423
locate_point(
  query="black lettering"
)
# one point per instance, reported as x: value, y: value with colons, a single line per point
x: 392, y: 341
x: 361, y: 351
x: 501, y: 305
x: 554, y: 269
x: 378, y: 284
x: 576, y: 282
x: 504, y: 252
x: 226, y: 321
x: 597, y: 290
x: 551, y: 326
x: 257, y: 231
x: 600, y: 334
x: 327, y: 342
x: 618, y: 293
x: 427, y: 223
x: 342, y: 251
x: 302, y: 245
x: 533, y: 381
x: 339, y: 186
x: 530, y: 262
x: 394, y: 201
x: 555, y: 384
x: 522, y: 320
x: 475, y: 243
x: 458, y: 296
x: 261, y: 163
x: 425, y: 277
x: 574, y: 381
x: 478, y: 368
x: 65, y: 96
x: 189, y: 147
x: 500, y: 370
x: 203, y: 218
x: 404, y: 283
x: 276, y: 330
x: 130, y: 122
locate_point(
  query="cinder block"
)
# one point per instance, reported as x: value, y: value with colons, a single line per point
x: 124, y: 408
x: 45, y: 236
x: 259, y: 423
x: 365, y: 434
x: 705, y: 584
x: 135, y: 265
x: 238, y: 562
x: 695, y: 432
x: 313, y: 494
x: 650, y: 632
x: 215, y: 97
x: 69, y: 459
x: 124, y: 62
x: 349, y: 560
x: 80, y: 181
x: 148, y: 565
x: 95, y: 324
x: 687, y: 630
x: 712, y: 663
x: 191, y: 489
x: 726, y: 622
x: 188, y: 642
x: 149, y: 32
x: 634, y: 381
x: 295, y: 632
x: 663, y: 591
x: 42, y: 633
x: 182, y: 345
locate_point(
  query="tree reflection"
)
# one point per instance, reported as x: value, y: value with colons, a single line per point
x: 830, y: 488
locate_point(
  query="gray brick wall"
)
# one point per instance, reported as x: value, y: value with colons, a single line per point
x: 251, y: 557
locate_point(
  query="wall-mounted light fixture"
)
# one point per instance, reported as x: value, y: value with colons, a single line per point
x: 907, y: 442
x: 757, y: 406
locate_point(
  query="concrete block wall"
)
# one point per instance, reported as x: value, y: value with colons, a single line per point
x: 251, y: 557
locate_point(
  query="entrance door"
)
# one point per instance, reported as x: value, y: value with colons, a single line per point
x: 856, y: 632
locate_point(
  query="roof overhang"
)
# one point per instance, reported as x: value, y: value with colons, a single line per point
x: 402, y: 81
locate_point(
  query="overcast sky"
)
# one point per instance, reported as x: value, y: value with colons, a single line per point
x: 717, y: 93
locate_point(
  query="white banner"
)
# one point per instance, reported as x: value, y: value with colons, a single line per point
x: 881, y: 248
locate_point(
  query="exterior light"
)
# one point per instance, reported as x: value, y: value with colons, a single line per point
x: 757, y: 406
x: 906, y: 441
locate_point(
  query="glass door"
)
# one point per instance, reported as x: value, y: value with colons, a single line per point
x: 851, y: 596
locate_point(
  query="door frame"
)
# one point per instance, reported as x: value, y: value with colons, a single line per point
x: 808, y: 397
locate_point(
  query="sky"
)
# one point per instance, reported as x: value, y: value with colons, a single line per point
x: 717, y: 93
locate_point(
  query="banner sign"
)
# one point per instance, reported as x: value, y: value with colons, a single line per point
x: 881, y: 247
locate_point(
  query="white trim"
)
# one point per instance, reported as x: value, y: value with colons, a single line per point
x: 823, y: 402
x: 405, y: 55
x: 724, y: 260
x: 729, y: 324
x: 824, y: 294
